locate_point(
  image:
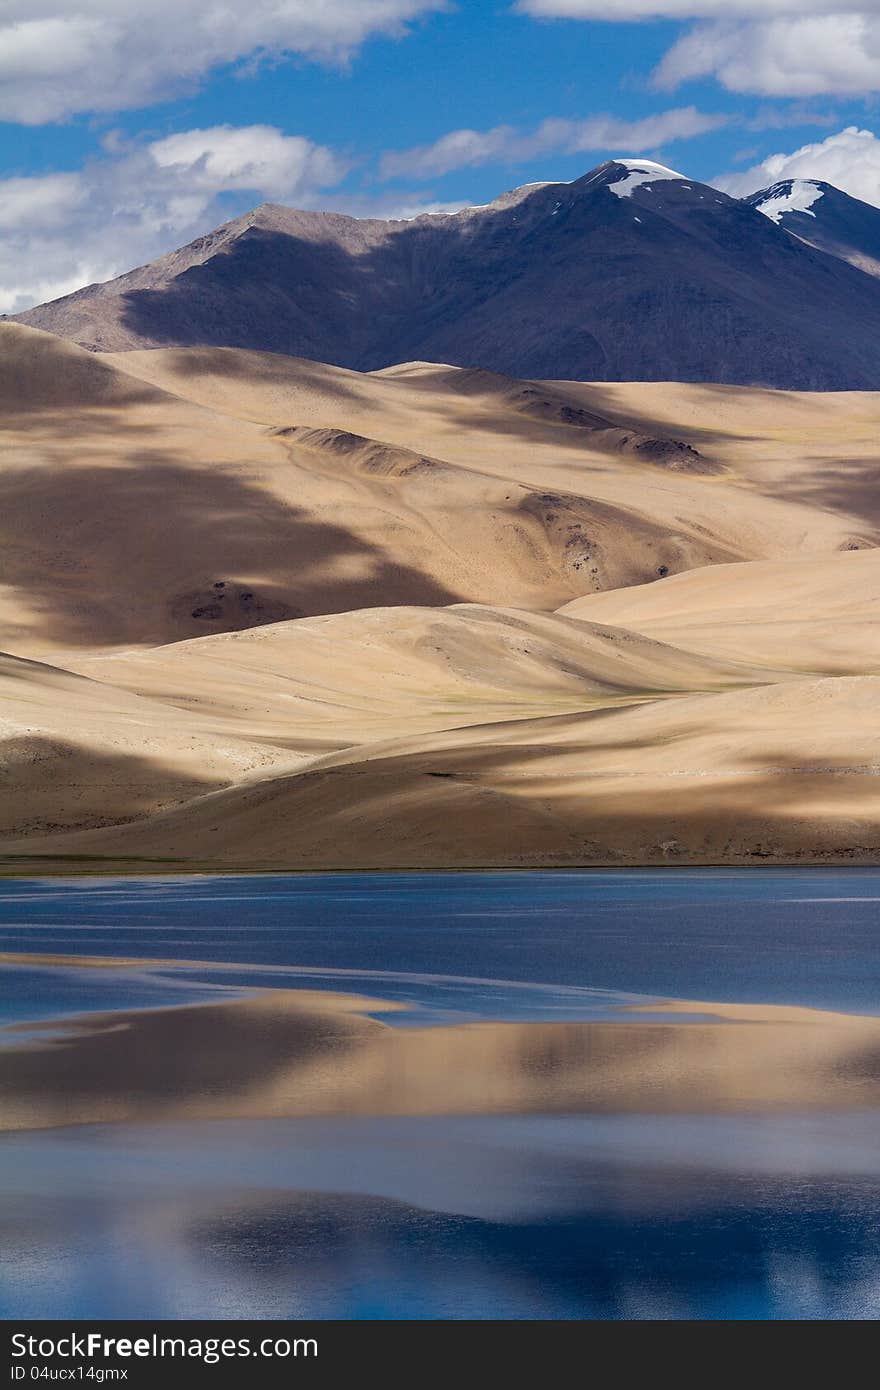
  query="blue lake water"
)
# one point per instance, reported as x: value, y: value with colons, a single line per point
x: 805, y: 937
x: 692, y: 1215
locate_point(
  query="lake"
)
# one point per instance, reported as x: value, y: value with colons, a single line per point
x: 441, y: 1095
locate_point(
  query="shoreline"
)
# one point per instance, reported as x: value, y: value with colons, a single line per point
x: 36, y: 867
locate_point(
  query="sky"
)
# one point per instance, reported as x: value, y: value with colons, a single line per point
x: 130, y: 127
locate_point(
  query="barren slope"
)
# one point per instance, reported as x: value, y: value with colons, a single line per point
x: 74, y: 752
x: 821, y: 614
x: 314, y: 611
x: 782, y: 773
x: 353, y: 678
x: 131, y: 516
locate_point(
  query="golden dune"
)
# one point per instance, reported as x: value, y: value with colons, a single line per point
x: 810, y: 615
x: 270, y: 613
x: 784, y: 773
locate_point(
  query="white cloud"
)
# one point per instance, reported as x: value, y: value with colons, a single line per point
x: 459, y: 149
x: 504, y: 144
x: 257, y: 156
x: 61, y: 231
x: 850, y: 160
x: 770, y: 47
x: 832, y: 54
x: 401, y: 206
x: 58, y: 57
x: 48, y: 201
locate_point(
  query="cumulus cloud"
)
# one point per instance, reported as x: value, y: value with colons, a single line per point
x: 833, y: 54
x: 257, y: 156
x: 59, y: 57
x: 48, y: 201
x: 850, y: 160
x: 770, y: 47
x: 505, y: 144
x: 61, y: 231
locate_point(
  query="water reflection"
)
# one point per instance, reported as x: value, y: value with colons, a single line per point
x: 558, y: 1218
x: 296, y: 1052
x: 441, y: 1096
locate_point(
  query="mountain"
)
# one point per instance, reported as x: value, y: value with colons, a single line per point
x: 826, y: 218
x: 629, y: 273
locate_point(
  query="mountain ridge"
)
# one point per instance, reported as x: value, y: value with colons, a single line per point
x: 630, y: 273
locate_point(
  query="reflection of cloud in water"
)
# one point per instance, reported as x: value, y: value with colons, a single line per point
x: 466, y: 1218
x: 518, y: 1215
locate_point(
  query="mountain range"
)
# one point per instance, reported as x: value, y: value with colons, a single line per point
x: 632, y: 272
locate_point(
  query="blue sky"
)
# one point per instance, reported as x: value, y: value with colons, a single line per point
x: 132, y: 126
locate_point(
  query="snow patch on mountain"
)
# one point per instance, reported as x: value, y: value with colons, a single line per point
x: 795, y: 195
x: 638, y: 173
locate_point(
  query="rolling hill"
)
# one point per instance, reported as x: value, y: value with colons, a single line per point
x: 265, y: 612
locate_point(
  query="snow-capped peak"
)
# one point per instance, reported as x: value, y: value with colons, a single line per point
x: 638, y: 173
x: 795, y: 195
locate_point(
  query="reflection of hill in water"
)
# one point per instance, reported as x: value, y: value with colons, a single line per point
x: 289, y: 1053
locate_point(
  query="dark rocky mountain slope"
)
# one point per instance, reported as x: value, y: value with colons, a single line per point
x: 629, y: 273
x: 825, y: 217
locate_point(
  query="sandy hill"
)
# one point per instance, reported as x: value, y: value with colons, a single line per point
x: 352, y: 678
x: 42, y: 373
x: 264, y: 611
x: 780, y: 773
x: 223, y: 495
x: 629, y: 273
x: 821, y: 614
x: 79, y: 752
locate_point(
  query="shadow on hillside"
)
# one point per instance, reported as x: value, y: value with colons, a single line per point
x: 849, y: 486
x: 273, y: 292
x: 35, y: 388
x: 344, y: 308
x: 605, y: 400
x: 522, y: 804
x: 153, y: 552
x: 51, y: 785
x: 20, y: 668
x: 260, y: 366
x: 510, y: 805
